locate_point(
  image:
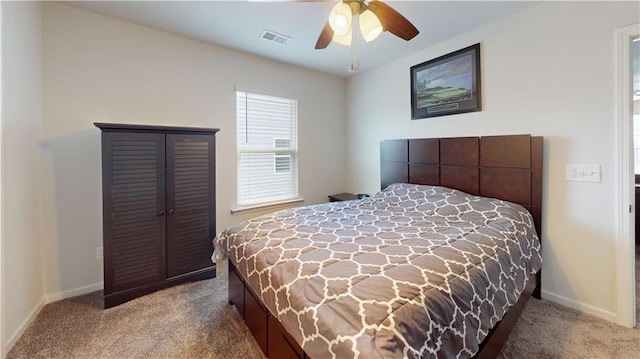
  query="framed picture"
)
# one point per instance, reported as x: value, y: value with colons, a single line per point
x: 447, y: 85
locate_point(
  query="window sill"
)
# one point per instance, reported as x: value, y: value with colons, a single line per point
x: 261, y: 206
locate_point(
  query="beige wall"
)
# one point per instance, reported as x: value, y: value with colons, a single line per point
x: 98, y: 69
x: 547, y: 71
x: 22, y: 281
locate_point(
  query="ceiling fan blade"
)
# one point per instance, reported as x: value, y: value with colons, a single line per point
x: 325, y: 37
x: 392, y: 21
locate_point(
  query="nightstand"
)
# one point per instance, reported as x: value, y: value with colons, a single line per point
x: 342, y: 197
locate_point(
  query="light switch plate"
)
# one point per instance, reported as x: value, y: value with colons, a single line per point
x: 583, y: 173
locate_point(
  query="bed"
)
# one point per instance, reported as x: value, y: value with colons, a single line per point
x: 439, y: 263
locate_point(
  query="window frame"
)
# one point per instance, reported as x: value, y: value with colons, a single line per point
x: 289, y: 136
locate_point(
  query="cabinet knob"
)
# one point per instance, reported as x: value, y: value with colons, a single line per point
x: 160, y: 213
x: 171, y: 211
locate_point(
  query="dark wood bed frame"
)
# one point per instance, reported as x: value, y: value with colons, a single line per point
x: 505, y: 167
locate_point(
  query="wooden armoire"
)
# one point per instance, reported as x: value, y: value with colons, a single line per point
x: 158, y: 193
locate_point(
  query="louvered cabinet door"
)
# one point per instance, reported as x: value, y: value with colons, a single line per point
x: 190, y: 203
x: 134, y: 220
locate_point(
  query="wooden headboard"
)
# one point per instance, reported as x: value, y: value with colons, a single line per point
x: 504, y: 167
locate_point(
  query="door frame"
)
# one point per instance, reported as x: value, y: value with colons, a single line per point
x: 625, y: 197
x: 2, y: 290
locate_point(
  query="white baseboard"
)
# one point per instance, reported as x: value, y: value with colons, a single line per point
x: 24, y: 325
x: 585, y: 308
x: 50, y: 298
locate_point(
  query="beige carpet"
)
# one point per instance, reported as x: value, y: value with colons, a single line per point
x: 195, y: 321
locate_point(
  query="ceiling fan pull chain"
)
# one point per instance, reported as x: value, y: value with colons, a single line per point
x: 357, y: 36
x: 352, y: 67
x: 355, y: 54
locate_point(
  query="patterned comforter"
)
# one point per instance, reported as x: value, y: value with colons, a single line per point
x: 411, y: 272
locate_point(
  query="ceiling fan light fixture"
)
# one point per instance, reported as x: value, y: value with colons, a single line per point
x: 343, y: 39
x: 340, y: 19
x: 370, y: 25
x: 374, y: 17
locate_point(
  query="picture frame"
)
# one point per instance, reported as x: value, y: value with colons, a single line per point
x: 447, y: 85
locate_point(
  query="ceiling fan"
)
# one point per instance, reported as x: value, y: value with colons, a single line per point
x: 374, y: 17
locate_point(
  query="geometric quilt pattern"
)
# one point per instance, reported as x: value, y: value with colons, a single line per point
x: 413, y: 271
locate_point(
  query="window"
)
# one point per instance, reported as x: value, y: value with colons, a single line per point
x: 267, y: 148
x: 282, y: 161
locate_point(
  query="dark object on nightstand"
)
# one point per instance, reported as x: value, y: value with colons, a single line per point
x: 342, y: 197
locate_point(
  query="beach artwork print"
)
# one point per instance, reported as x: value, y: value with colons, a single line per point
x: 449, y: 82
x: 447, y: 85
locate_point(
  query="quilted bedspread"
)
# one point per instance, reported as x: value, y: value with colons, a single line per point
x: 411, y: 272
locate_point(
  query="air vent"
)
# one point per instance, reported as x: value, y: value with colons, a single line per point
x: 275, y: 37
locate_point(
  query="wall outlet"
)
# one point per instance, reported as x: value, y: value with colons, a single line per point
x: 99, y: 254
x: 583, y: 173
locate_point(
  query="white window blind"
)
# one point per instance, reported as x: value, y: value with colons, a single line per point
x: 267, y: 148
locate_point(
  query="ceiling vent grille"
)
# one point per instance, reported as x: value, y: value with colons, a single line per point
x: 275, y: 37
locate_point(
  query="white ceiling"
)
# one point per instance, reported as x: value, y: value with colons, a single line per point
x: 239, y: 24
